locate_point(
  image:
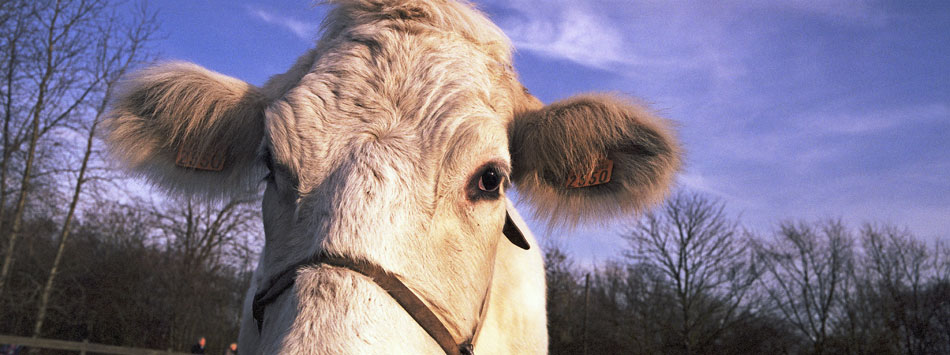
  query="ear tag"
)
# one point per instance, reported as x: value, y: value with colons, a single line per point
x: 189, y: 157
x: 599, y: 176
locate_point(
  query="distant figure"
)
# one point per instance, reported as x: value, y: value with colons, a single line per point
x: 10, y: 349
x: 232, y: 350
x: 200, y: 347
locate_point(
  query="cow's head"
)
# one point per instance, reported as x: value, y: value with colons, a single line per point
x: 393, y: 142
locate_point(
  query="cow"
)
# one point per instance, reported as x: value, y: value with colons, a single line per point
x: 386, y: 153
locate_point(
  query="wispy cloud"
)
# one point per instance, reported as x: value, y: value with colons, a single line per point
x: 614, y: 37
x: 695, y: 181
x: 574, y: 34
x: 809, y: 140
x: 641, y: 35
x: 302, y: 29
x: 852, y: 123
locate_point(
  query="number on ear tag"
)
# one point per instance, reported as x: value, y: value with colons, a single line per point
x: 188, y: 157
x: 600, y: 175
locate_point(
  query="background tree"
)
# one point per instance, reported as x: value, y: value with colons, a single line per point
x: 902, y: 275
x: 120, y: 46
x: 807, y: 267
x: 121, y: 282
x: 82, y: 256
x: 562, y: 288
x: 47, y: 83
x: 704, y: 257
x: 207, y: 239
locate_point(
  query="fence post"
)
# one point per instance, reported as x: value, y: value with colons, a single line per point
x: 82, y: 348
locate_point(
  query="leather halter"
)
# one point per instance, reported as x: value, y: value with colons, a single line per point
x: 394, y: 287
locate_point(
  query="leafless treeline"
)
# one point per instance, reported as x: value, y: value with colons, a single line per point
x: 83, y: 255
x: 695, y: 282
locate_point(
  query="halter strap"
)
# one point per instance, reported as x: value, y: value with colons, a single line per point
x: 386, y: 280
x: 394, y: 287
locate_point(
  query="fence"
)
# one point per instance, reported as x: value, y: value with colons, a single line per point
x: 81, y: 347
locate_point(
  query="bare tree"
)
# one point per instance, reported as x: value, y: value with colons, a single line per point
x: 46, y: 67
x: 701, y: 252
x: 206, y: 233
x: 207, y: 239
x: 120, y: 45
x: 901, y: 269
x: 14, y: 25
x: 562, y: 289
x: 806, y: 270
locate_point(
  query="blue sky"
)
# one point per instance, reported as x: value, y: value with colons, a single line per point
x: 787, y: 109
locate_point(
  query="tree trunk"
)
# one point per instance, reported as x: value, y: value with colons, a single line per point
x: 113, y: 66
x: 64, y: 233
x: 586, y: 308
x: 31, y: 152
x: 8, y: 116
x: 27, y: 171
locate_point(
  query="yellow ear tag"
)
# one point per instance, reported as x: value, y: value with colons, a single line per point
x: 600, y: 175
x: 189, y: 157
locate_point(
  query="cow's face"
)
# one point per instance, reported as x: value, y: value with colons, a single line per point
x: 393, y: 142
x: 393, y: 149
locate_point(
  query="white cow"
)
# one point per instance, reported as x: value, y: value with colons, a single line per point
x: 386, y: 152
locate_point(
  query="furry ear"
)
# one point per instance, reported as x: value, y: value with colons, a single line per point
x: 188, y: 130
x: 592, y: 157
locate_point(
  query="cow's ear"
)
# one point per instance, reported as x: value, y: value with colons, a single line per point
x: 188, y: 130
x: 592, y: 157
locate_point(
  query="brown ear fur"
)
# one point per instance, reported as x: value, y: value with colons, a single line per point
x: 159, y: 109
x: 571, y: 136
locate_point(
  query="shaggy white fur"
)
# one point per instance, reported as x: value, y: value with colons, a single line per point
x: 174, y: 104
x: 377, y: 141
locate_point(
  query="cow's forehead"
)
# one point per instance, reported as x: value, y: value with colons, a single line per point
x: 407, y: 91
x: 364, y: 19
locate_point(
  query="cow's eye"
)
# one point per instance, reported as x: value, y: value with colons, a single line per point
x: 486, y: 182
x: 490, y: 180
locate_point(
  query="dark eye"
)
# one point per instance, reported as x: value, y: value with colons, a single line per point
x: 490, y: 180
x: 486, y: 181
